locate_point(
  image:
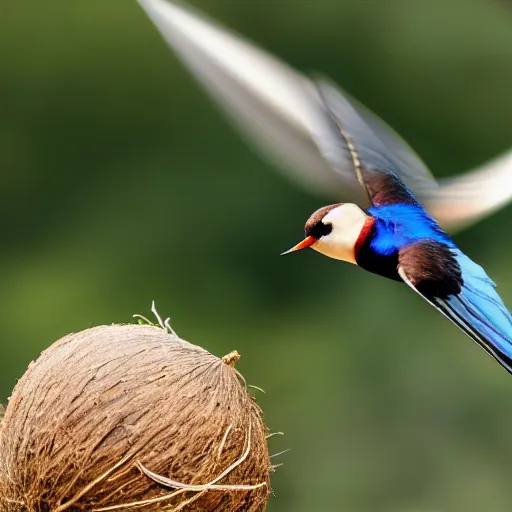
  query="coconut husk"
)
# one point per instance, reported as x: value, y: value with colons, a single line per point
x: 130, y: 417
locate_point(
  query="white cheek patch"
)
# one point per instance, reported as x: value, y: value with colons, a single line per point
x: 347, y: 222
x: 337, y: 249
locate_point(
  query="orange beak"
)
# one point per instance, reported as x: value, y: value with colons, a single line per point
x: 307, y: 242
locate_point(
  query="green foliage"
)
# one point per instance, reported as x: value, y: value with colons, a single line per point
x: 121, y: 184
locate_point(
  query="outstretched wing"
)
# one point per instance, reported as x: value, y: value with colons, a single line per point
x: 344, y: 136
x: 461, y: 290
x: 280, y: 111
x: 354, y: 141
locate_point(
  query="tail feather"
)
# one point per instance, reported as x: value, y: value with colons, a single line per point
x: 479, y: 311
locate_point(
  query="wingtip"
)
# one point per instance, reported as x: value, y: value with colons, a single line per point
x: 144, y: 3
x: 156, y: 6
x: 147, y: 5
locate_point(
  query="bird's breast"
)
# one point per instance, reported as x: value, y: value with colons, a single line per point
x: 391, y: 228
x: 367, y: 257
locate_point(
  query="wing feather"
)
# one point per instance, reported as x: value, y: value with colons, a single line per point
x: 279, y: 110
x: 477, y: 310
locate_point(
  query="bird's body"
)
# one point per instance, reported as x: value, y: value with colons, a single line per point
x: 391, y: 228
x: 396, y: 238
x: 329, y: 141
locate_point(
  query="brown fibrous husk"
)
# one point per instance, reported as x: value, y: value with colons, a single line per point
x: 132, y: 418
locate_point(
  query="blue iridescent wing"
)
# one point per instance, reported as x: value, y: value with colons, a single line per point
x: 477, y: 309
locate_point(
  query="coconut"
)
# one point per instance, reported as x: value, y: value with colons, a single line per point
x: 130, y: 417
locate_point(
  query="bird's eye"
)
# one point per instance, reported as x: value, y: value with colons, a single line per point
x: 319, y: 230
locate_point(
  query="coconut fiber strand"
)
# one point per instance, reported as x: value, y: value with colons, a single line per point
x: 106, y: 417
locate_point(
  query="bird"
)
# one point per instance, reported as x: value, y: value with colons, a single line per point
x: 277, y: 110
x: 398, y: 218
x: 396, y: 238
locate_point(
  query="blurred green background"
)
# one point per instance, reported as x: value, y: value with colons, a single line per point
x: 121, y: 183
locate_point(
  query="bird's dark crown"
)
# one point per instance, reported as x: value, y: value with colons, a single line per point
x: 315, y: 227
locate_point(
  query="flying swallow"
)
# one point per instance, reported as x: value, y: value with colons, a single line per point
x: 394, y: 223
x: 396, y: 238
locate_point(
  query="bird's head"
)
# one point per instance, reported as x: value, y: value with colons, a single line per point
x: 334, y: 230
